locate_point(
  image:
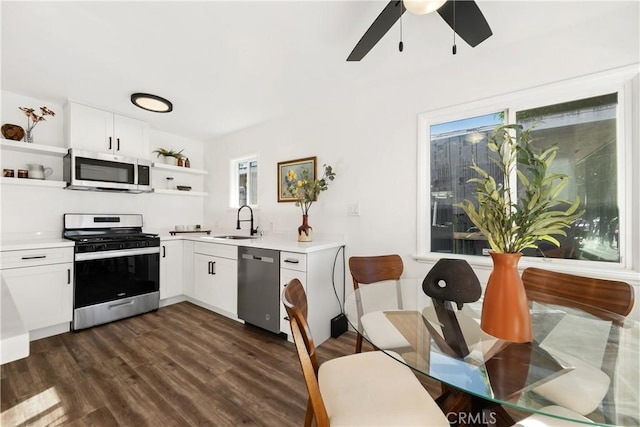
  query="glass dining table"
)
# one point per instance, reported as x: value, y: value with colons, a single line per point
x: 576, y: 361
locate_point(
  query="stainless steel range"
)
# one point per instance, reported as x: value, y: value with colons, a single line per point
x: 117, y: 268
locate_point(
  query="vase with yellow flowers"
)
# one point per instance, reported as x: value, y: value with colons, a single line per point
x: 304, y: 191
x: 33, y: 119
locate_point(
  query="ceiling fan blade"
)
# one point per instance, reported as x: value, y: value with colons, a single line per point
x: 470, y: 23
x: 389, y: 15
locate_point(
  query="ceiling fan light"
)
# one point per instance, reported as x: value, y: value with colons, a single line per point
x: 422, y: 7
x: 150, y: 102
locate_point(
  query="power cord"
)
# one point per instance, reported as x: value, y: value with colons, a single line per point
x: 339, y: 324
x: 333, y: 277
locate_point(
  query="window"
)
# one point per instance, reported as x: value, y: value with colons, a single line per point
x: 589, y: 122
x: 585, y: 132
x: 454, y: 146
x: 244, y: 182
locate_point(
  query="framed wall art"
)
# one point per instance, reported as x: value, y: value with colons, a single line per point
x: 297, y: 166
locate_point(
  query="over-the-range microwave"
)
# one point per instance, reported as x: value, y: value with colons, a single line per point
x: 85, y: 170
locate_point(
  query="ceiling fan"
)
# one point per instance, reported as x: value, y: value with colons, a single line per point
x: 463, y: 16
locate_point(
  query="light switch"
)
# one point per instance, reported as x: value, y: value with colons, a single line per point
x: 353, y: 209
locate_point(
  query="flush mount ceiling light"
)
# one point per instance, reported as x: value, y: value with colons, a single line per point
x: 422, y: 7
x: 150, y: 102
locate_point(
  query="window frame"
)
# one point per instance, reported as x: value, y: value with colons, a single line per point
x: 623, y: 81
x: 234, y: 183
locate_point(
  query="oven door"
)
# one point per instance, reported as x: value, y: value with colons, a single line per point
x: 114, y: 275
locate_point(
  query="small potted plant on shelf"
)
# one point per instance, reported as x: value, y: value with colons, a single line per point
x: 511, y: 226
x: 170, y: 157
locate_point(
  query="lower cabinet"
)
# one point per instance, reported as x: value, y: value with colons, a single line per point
x: 171, y: 261
x: 42, y: 292
x: 315, y: 271
x: 292, y: 266
x: 215, y: 277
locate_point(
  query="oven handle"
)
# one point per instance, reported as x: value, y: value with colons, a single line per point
x: 116, y: 254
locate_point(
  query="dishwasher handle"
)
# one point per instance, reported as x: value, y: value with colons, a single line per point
x: 258, y: 258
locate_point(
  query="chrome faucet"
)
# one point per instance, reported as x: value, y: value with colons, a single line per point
x: 252, y: 231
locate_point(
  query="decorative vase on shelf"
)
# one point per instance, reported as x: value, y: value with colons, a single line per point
x: 305, y: 232
x: 28, y: 136
x: 505, y: 309
x: 170, y: 160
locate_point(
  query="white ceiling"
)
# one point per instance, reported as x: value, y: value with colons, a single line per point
x: 230, y: 65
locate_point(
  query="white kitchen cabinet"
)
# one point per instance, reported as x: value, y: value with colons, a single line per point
x: 187, y: 272
x: 171, y: 269
x: 215, y: 277
x: 41, y: 284
x: 102, y: 131
x: 292, y: 266
x: 315, y: 271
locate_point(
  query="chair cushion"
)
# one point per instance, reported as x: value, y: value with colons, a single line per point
x: 380, y: 331
x: 373, y: 389
x: 538, y: 420
x: 580, y: 390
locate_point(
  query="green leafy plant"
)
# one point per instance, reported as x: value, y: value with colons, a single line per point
x: 304, y: 189
x: 513, y: 225
x: 168, y: 153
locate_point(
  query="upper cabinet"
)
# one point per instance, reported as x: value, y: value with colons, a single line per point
x: 102, y: 131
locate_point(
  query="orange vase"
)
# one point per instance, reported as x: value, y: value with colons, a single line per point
x: 505, y: 309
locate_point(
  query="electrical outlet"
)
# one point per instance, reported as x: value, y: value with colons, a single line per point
x: 353, y: 209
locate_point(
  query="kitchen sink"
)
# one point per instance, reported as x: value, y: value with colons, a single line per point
x: 235, y: 237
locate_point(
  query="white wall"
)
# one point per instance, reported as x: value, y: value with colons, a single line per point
x: 370, y: 136
x: 38, y: 209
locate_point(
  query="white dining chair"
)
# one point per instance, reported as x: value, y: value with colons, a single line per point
x: 363, y: 389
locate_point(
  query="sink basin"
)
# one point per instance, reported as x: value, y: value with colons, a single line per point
x: 235, y: 237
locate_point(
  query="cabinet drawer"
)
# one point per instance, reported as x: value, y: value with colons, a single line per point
x: 35, y: 257
x: 215, y: 249
x: 293, y: 261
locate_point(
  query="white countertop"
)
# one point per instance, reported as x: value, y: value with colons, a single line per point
x: 14, y: 337
x: 22, y: 241
x: 277, y: 241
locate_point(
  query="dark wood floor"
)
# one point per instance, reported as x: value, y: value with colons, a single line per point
x: 179, y: 366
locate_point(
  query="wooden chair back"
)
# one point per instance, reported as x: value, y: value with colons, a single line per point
x: 609, y: 300
x: 295, y: 302
x: 370, y: 269
x: 606, y: 299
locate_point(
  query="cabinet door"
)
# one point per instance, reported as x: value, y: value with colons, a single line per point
x: 90, y: 129
x: 225, y: 284
x: 202, y: 278
x: 43, y: 295
x: 216, y: 282
x: 286, y: 276
x: 130, y: 137
x: 170, y: 269
x: 187, y: 271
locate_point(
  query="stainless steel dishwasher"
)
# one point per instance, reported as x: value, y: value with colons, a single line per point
x: 259, y: 287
